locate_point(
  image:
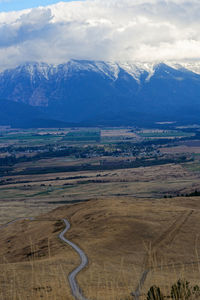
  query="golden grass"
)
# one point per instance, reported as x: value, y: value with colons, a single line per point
x: 35, y: 280
x: 31, y: 199
x: 122, y: 237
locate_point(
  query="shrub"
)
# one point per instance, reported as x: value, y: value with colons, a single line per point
x: 154, y: 293
x: 180, y: 290
x: 196, y: 291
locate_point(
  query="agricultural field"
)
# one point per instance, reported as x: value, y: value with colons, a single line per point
x: 164, y: 134
x: 83, y: 136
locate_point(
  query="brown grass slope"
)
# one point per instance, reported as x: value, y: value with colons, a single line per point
x: 121, y: 237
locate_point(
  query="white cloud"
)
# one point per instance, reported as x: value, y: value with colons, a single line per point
x: 103, y: 30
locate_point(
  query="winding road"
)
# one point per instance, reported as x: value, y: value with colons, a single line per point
x: 76, y: 291
x: 165, y: 238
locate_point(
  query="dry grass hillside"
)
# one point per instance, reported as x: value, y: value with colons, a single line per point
x: 122, y: 237
x: 42, y: 193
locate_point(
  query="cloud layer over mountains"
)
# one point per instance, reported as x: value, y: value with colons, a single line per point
x: 141, y: 30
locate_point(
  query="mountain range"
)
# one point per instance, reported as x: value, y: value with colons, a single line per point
x: 99, y: 93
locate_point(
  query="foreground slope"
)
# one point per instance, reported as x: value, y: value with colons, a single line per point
x: 122, y: 238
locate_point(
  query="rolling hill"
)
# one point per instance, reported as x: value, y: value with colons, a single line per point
x: 122, y: 238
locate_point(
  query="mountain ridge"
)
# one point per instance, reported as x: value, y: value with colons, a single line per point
x: 134, y: 68
x: 83, y: 90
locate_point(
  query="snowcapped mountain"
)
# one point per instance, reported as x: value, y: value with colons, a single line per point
x: 188, y: 66
x: 109, y: 69
x: 97, y: 91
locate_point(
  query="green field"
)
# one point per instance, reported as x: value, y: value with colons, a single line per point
x: 193, y: 166
x: 83, y: 136
x: 30, y: 139
x: 27, y: 137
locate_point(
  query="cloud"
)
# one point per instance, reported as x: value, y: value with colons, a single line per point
x: 153, y: 30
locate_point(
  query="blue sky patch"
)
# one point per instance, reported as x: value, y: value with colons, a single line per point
x: 13, y: 5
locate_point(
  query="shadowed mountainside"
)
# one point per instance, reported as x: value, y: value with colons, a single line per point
x: 98, y: 93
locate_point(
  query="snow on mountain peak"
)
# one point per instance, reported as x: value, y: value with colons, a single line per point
x: 33, y: 69
x: 193, y: 66
x: 112, y: 69
x: 137, y: 69
x: 106, y: 69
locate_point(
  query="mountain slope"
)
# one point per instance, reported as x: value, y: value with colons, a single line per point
x: 103, y: 92
x: 17, y: 114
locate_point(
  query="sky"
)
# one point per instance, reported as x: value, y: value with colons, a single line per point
x: 111, y: 30
x: 10, y: 5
